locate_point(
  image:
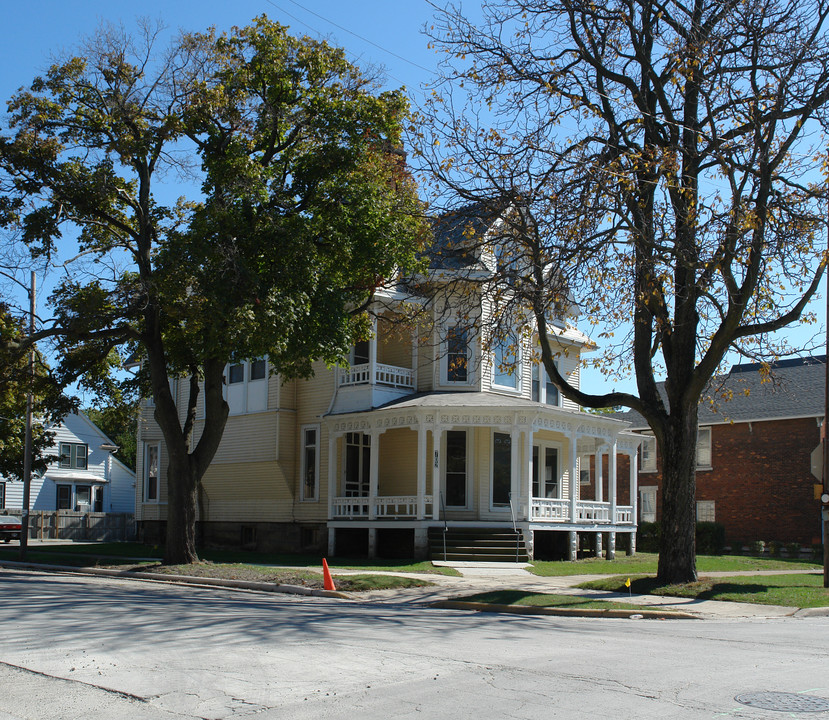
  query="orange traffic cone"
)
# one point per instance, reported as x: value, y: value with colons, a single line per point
x: 327, y: 583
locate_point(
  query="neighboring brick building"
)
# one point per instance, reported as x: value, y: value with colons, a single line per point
x: 756, y: 436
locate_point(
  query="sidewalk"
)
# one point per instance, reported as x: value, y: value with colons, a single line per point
x: 477, y: 577
x: 483, y: 577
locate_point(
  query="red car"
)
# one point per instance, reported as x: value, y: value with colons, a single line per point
x: 10, y: 528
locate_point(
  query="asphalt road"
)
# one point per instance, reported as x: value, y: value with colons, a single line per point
x: 89, y: 648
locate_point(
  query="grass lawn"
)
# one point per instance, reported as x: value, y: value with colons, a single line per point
x: 519, y: 597
x: 804, y: 591
x: 115, y: 554
x: 642, y: 563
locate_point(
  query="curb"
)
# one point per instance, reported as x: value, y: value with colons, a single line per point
x: 566, y: 612
x: 180, y: 579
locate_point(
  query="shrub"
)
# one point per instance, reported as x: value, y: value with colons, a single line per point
x: 775, y: 548
x: 736, y: 547
x: 817, y: 552
x: 793, y: 549
x: 710, y: 538
x: 647, y: 537
x: 758, y: 547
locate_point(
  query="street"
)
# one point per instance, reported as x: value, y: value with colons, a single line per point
x: 82, y: 647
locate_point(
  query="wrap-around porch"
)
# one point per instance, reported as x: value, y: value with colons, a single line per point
x: 463, y: 459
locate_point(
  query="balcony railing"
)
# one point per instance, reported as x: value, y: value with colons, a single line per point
x: 390, y: 375
x: 385, y: 507
x: 587, y: 511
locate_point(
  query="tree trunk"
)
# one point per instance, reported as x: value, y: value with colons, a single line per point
x: 182, y: 487
x: 677, y: 541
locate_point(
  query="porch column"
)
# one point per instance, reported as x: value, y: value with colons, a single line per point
x: 437, y: 470
x: 421, y: 472
x: 574, y: 489
x: 599, y: 492
x: 373, y: 474
x: 634, y: 499
x: 611, y: 490
x: 528, y: 467
x: 515, y: 471
x: 372, y: 353
x: 332, y: 472
x: 574, y: 478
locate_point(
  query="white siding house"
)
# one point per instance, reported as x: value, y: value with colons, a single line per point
x: 84, y: 476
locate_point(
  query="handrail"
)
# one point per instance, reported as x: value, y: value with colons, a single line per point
x: 445, y: 524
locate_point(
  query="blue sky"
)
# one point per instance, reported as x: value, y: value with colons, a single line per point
x: 386, y: 33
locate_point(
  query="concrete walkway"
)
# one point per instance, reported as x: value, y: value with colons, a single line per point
x: 484, y: 577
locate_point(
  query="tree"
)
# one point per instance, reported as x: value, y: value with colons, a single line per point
x: 305, y: 211
x: 663, y: 163
x: 16, y: 381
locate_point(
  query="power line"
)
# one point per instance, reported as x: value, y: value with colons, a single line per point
x: 344, y: 29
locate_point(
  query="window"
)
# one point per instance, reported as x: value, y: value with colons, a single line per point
x: 83, y: 497
x: 545, y: 477
x: 457, y: 355
x: 505, y: 363
x: 647, y: 504
x: 705, y: 511
x: 647, y: 454
x: 236, y: 374
x: 501, y: 469
x: 73, y: 456
x: 704, y: 447
x: 456, y: 468
x: 546, y: 393
x: 257, y: 369
x: 64, y: 497
x: 310, y: 462
x: 2, y: 495
x: 360, y: 354
x: 357, y: 464
x: 151, y: 468
x: 246, y: 390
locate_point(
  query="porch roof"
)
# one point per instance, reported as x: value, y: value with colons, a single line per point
x: 480, y: 409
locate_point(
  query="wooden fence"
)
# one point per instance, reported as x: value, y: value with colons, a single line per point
x: 72, y: 525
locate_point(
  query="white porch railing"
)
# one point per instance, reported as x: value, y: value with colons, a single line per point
x: 383, y: 375
x: 587, y: 511
x: 385, y: 507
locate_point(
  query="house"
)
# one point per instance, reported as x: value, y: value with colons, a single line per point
x: 84, y: 476
x: 425, y: 438
x: 757, y: 431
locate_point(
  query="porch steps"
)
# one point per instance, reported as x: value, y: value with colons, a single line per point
x: 477, y: 544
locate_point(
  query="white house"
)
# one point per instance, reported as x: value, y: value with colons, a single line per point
x: 84, y: 476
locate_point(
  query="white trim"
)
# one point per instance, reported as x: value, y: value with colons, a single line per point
x: 641, y: 429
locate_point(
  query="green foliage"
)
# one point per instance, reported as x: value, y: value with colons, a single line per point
x: 307, y: 211
x: 49, y: 403
x: 710, y: 538
x: 647, y: 537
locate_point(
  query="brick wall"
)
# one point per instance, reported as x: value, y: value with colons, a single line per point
x: 760, y: 481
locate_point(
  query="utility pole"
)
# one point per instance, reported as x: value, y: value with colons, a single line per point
x: 27, y: 445
x: 824, y: 498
